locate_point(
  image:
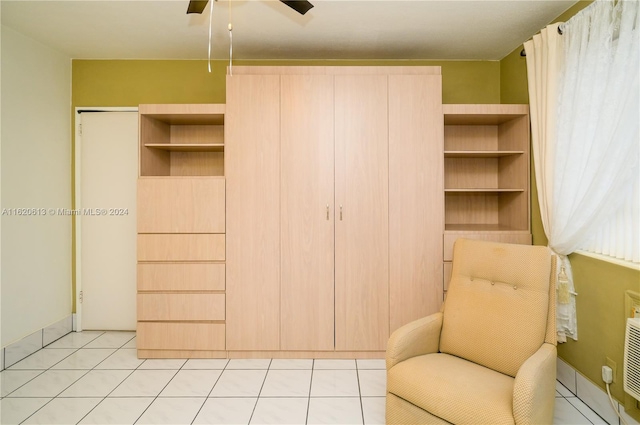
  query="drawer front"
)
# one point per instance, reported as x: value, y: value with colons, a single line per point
x: 181, y: 205
x: 181, y: 307
x: 523, y: 238
x: 181, y: 247
x: 181, y: 276
x: 180, y: 336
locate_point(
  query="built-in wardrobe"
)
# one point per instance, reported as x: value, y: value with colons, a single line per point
x: 334, y: 207
x: 312, y: 215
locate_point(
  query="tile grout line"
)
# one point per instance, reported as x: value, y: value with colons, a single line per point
x: 579, y: 411
x: 157, y: 395
x: 359, y: 391
x: 313, y: 366
x: 51, y: 367
x: 210, y: 391
x: 94, y: 368
x: 259, y: 392
x: 43, y: 370
x: 63, y: 390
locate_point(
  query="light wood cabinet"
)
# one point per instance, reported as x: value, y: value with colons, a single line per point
x: 307, y: 212
x: 181, y: 205
x: 185, y: 276
x: 181, y: 247
x: 182, y: 140
x: 252, y: 158
x: 486, y: 161
x: 362, y: 201
x: 181, y: 307
x: 181, y: 231
x: 416, y: 198
x: 180, y: 339
x: 314, y: 157
x: 316, y: 212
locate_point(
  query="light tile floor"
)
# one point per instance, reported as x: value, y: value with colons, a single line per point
x: 96, y: 378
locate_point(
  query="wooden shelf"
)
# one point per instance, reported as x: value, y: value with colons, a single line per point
x: 482, y: 190
x: 480, y: 114
x: 475, y: 228
x: 187, y: 147
x: 181, y: 139
x: 486, y: 168
x: 480, y: 154
x: 185, y: 114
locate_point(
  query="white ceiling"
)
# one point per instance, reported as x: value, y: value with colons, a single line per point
x: 267, y: 29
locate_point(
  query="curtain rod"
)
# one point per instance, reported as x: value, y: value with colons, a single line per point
x: 523, y: 53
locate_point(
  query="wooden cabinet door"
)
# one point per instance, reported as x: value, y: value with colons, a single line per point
x: 252, y: 164
x: 181, y: 205
x: 362, y: 216
x: 307, y: 221
x: 416, y: 200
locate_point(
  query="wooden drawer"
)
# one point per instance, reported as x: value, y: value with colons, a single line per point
x: 181, y: 205
x: 181, y: 307
x: 506, y: 237
x: 180, y: 336
x: 181, y: 276
x: 181, y: 247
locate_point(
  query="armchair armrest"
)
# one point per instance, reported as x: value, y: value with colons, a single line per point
x: 419, y: 337
x: 534, y: 387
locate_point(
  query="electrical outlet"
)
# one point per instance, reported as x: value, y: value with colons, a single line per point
x: 613, y: 366
x: 607, y: 374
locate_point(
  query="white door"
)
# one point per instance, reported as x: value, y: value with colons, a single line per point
x: 107, y: 220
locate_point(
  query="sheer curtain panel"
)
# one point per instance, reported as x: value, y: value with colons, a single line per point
x: 545, y: 57
x: 589, y: 174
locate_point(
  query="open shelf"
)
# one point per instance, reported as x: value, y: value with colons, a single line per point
x: 187, y: 147
x: 486, y: 168
x: 475, y: 228
x: 482, y: 114
x: 185, y: 114
x: 480, y: 154
x: 182, y: 140
x: 482, y: 190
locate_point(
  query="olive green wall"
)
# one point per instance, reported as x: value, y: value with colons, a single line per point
x: 601, y: 285
x: 131, y: 82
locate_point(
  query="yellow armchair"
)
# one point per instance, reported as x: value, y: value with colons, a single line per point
x: 489, y: 357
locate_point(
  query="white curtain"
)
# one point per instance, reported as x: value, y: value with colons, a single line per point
x: 545, y: 59
x: 587, y: 159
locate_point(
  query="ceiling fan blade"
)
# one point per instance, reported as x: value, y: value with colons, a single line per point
x: 300, y: 6
x: 197, y: 6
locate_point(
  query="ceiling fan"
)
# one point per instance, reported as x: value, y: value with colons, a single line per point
x: 300, y: 6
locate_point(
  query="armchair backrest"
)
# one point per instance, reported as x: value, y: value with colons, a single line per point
x: 500, y: 304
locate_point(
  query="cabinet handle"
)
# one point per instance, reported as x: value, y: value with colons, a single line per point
x: 340, y: 212
x: 327, y: 211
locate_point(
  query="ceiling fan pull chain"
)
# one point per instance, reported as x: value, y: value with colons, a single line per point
x: 210, y: 25
x: 230, y: 42
x: 230, y: 49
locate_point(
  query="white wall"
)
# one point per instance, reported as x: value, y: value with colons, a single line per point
x: 35, y: 173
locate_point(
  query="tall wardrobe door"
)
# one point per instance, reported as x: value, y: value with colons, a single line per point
x: 307, y: 220
x: 362, y: 216
x: 416, y: 203
x: 252, y: 168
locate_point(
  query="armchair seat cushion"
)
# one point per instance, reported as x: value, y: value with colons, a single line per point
x: 454, y: 389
